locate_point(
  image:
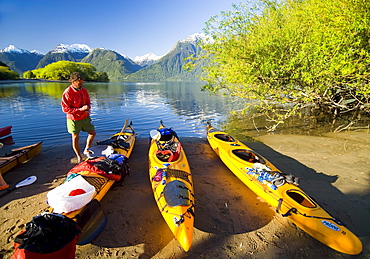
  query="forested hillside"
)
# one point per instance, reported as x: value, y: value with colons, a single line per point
x: 171, y: 66
x: 115, y: 65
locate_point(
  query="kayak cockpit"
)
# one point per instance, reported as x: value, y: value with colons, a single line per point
x: 224, y: 137
x: 301, y: 198
x: 168, y: 151
x: 248, y: 156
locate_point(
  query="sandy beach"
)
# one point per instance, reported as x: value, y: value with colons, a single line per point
x: 230, y: 220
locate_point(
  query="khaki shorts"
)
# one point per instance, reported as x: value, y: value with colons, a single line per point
x: 75, y: 127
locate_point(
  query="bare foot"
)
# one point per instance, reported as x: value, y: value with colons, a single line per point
x: 76, y: 160
x: 79, y: 159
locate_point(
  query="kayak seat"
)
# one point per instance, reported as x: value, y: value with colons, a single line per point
x: 225, y: 137
x: 164, y: 155
x: 248, y: 156
x: 168, y: 151
x: 176, y: 194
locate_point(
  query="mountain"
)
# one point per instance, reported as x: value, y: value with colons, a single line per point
x: 170, y: 66
x: 74, y: 52
x: 114, y: 64
x: 118, y: 67
x: 146, y: 60
x: 20, y: 60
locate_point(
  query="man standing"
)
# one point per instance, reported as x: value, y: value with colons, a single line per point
x: 76, y: 104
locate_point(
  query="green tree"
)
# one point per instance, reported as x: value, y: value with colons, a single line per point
x: 62, y: 69
x: 7, y: 74
x: 28, y: 74
x: 292, y: 52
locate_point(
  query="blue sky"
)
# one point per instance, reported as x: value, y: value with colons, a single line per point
x: 130, y: 27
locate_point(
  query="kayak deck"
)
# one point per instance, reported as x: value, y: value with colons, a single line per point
x: 91, y: 217
x: 172, y: 186
x: 282, y: 192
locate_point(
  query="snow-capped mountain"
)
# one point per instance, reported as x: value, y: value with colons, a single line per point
x: 62, y: 48
x: 118, y: 66
x: 194, y: 38
x: 20, y: 60
x: 14, y: 49
x: 146, y: 59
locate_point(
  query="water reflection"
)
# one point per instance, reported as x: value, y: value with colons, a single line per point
x: 34, y: 111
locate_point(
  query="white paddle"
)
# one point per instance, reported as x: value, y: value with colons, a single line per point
x: 29, y: 180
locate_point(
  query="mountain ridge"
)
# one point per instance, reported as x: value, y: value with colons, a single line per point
x: 117, y: 66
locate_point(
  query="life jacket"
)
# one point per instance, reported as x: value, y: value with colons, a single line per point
x: 47, y: 236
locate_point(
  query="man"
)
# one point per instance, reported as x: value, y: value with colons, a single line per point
x: 76, y: 104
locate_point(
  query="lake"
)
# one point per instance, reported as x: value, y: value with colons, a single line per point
x: 34, y: 110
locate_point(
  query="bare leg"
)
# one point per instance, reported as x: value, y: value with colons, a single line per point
x: 76, y: 146
x: 89, y: 141
x: 3, y: 184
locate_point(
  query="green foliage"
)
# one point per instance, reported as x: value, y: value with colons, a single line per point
x: 292, y: 52
x: 7, y: 74
x: 62, y: 69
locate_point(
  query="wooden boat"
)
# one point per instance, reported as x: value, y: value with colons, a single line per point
x: 19, y: 156
x: 282, y: 192
x: 5, y: 131
x: 172, y: 183
x: 91, y: 218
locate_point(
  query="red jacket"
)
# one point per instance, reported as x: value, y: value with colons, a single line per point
x: 72, y: 102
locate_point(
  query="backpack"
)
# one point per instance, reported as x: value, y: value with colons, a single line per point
x: 48, y: 235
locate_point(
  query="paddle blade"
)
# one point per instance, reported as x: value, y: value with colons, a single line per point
x: 124, y: 125
x: 25, y: 182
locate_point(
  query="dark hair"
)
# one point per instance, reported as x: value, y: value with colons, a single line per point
x: 75, y: 76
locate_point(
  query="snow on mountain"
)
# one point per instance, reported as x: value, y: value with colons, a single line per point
x: 194, y: 38
x: 37, y: 52
x: 61, y: 48
x: 14, y: 49
x: 146, y: 59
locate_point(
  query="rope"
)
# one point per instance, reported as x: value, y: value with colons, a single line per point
x: 294, y: 210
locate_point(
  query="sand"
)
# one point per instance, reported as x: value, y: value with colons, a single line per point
x: 230, y: 221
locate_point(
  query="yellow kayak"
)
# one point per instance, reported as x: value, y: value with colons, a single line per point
x: 172, y: 183
x: 282, y: 192
x: 91, y: 218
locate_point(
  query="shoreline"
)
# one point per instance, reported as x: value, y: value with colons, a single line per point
x: 30, y: 81
x: 230, y: 220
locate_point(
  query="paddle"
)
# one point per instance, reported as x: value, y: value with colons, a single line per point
x: 29, y: 180
x: 124, y: 125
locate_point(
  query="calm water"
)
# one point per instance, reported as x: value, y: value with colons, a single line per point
x: 34, y: 111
